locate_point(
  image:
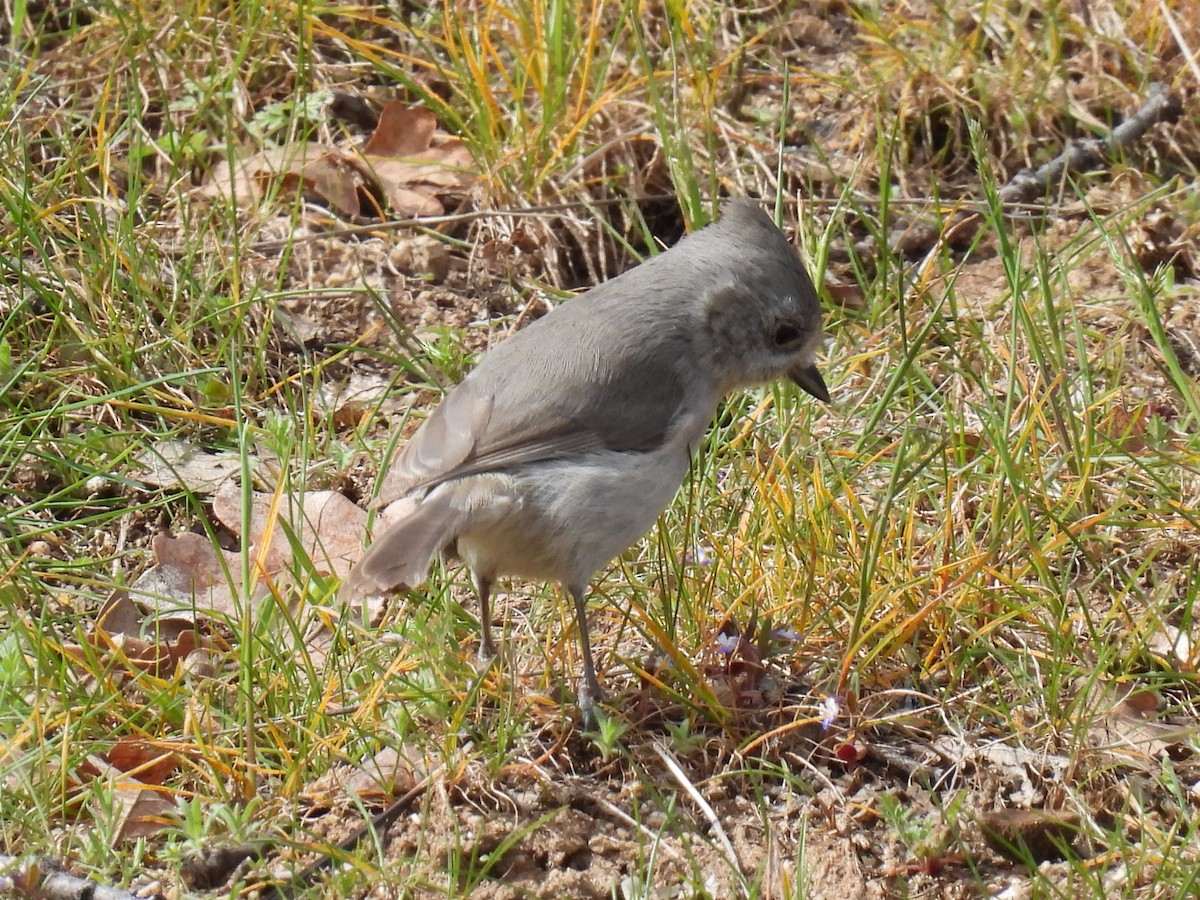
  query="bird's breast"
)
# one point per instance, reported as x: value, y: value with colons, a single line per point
x: 575, y: 515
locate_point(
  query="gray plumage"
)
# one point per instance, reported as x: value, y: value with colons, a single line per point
x: 566, y: 442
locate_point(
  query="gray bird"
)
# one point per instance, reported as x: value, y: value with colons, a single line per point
x: 563, y: 446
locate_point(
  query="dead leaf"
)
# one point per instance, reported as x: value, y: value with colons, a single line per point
x: 324, y: 526
x: 120, y: 615
x: 445, y: 166
x: 319, y: 172
x: 144, y: 810
x: 339, y: 180
x: 1126, y: 429
x: 413, y: 164
x: 124, y: 634
x: 143, y: 759
x: 348, y: 404
x: 845, y: 294
x: 407, y: 203
x: 174, y: 463
x: 1174, y: 646
x: 404, y: 167
x: 376, y: 781
x: 1011, y: 764
x: 192, y: 578
x: 1133, y: 732
x: 402, y: 131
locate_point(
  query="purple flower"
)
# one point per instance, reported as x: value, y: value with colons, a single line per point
x: 830, y: 708
x: 727, y: 643
x: 701, y: 556
x: 786, y: 634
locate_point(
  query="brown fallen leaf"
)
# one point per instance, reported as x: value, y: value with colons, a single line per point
x: 120, y: 615
x: 158, y: 655
x: 410, y: 204
x: 125, y: 639
x: 191, y: 579
x: 1134, y: 732
x: 144, y: 810
x: 142, y: 759
x: 413, y: 163
x: 1174, y: 646
x: 174, y: 463
x: 340, y: 180
x: 348, y: 402
x: 402, y: 131
x: 320, y: 172
x: 404, y: 167
x: 376, y: 781
x: 845, y: 294
x: 324, y: 526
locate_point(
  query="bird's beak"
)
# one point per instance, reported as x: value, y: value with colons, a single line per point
x: 811, y: 381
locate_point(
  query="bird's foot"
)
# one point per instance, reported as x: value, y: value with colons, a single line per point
x: 590, y: 695
x: 486, y: 655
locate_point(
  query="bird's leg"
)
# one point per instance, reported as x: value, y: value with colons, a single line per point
x: 483, y: 588
x: 589, y: 691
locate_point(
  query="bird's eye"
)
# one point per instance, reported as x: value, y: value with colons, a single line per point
x: 786, y: 334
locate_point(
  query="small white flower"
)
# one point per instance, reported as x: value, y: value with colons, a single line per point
x: 830, y: 708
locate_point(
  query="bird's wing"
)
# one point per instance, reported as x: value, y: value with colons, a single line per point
x: 552, y: 390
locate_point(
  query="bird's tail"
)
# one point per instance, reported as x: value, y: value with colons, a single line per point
x: 418, y: 530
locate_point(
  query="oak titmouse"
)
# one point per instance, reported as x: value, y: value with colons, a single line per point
x: 563, y: 446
